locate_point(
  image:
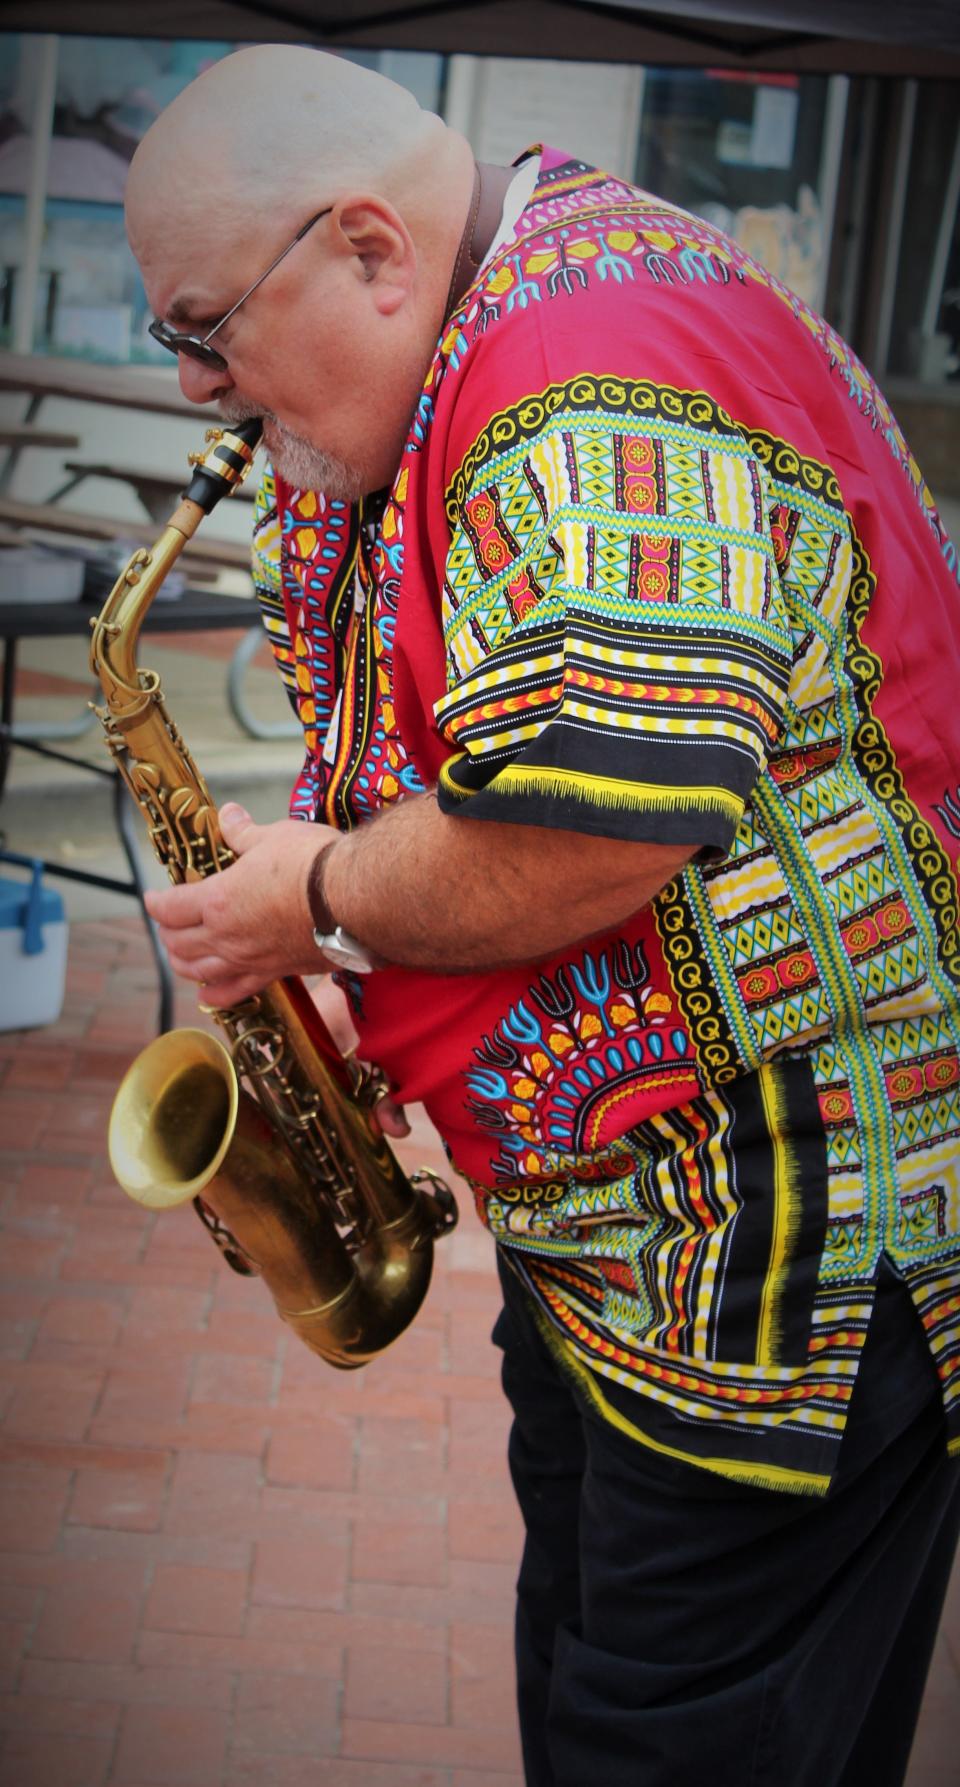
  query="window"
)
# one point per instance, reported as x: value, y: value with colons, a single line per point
x: 755, y: 154
x: 69, y: 282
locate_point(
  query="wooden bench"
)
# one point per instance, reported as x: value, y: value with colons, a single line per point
x: 157, y: 491
x: 22, y: 434
x: 48, y: 518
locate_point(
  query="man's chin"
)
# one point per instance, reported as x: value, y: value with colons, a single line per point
x: 299, y: 462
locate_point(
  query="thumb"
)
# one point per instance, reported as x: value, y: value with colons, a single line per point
x: 239, y: 830
x: 390, y: 1118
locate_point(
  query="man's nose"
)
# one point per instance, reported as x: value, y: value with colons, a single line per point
x: 199, y: 383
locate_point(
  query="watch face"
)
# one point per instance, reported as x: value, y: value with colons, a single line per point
x: 344, y: 951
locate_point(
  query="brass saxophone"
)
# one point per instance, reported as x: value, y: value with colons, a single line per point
x: 287, y: 1172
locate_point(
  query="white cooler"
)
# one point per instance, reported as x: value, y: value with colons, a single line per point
x: 33, y: 950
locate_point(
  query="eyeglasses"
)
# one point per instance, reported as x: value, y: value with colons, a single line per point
x: 197, y: 347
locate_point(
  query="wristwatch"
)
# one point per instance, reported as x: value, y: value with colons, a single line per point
x: 343, y: 950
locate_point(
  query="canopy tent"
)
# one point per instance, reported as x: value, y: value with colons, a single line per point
x: 890, y: 37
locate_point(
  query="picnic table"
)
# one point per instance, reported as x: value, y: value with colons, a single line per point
x: 155, y: 391
x: 190, y: 611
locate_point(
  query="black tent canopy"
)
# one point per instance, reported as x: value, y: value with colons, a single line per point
x: 894, y: 37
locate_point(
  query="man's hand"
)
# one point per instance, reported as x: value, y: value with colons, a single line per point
x: 236, y: 931
x: 420, y: 888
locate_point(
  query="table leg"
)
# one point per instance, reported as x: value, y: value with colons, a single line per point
x: 13, y: 453
x: 6, y: 707
x: 124, y: 822
x: 245, y: 653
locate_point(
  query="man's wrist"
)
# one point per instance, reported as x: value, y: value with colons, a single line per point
x: 333, y: 941
x: 320, y: 913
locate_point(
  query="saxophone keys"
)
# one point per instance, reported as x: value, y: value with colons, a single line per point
x: 136, y: 567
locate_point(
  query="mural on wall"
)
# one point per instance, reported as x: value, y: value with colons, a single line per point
x: 787, y: 240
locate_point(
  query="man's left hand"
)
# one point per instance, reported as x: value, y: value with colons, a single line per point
x: 251, y: 924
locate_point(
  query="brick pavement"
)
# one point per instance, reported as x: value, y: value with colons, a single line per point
x: 221, y: 1563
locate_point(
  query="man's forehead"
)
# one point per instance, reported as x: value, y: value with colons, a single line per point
x: 190, y: 285
x: 189, y: 271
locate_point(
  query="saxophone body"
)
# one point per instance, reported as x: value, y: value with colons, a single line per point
x: 266, y: 1132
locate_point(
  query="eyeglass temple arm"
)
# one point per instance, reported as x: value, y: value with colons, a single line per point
x: 265, y: 275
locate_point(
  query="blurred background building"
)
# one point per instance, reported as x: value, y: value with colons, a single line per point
x: 846, y: 186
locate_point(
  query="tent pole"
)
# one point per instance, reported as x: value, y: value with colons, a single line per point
x: 898, y: 203
x: 41, y: 130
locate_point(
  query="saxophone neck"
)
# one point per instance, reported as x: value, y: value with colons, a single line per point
x: 223, y: 464
x: 116, y: 631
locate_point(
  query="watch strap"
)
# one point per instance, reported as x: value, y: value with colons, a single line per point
x: 331, y: 938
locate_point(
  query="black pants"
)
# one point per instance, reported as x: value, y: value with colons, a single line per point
x: 677, y: 1630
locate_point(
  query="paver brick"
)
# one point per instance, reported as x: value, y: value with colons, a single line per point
x: 384, y: 1683
x: 213, y: 1494
x: 140, y: 1400
x: 390, y: 1551
x: 463, y: 1777
x: 30, y: 1257
x: 180, y: 1745
x: 280, y: 1713
x: 219, y: 1427
x: 52, y: 1400
x: 318, y: 1456
x: 245, y: 1334
x: 129, y: 1500
x: 175, y: 1652
x: 32, y: 1504
x: 485, y: 1531
x: 190, y: 1598
x: 482, y: 1675
x: 81, y: 1321
x: 392, y: 1741
x: 23, y: 1121
x: 295, y: 1771
x: 289, y: 1574
x: 86, y: 1684
x: 100, y: 1628
x: 49, y: 1759
x: 309, y: 1630
x: 43, y: 1069
x: 14, y: 1635
x: 404, y: 1455
x: 38, y: 1712
x: 21, y: 1311
x: 47, y: 1190
x: 18, y: 1601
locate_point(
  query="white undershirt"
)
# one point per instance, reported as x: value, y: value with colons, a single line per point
x: 516, y: 199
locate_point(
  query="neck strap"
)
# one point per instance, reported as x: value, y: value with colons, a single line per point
x: 490, y: 187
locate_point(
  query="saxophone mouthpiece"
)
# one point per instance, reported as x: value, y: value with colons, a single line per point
x: 224, y: 463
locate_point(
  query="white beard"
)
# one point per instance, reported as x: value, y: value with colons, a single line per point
x: 296, y: 459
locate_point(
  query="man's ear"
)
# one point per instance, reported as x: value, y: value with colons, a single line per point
x: 368, y: 228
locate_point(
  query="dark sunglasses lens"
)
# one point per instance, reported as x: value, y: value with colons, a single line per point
x: 186, y: 344
x: 165, y: 336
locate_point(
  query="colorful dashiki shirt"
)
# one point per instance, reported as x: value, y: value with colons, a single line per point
x: 658, y: 565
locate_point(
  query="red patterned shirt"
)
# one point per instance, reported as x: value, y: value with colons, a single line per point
x: 658, y: 565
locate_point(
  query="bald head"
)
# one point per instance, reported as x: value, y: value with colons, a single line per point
x: 331, y: 343
x: 284, y: 126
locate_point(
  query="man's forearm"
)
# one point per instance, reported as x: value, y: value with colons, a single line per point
x: 423, y: 889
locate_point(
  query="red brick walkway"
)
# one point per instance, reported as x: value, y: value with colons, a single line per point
x: 223, y: 1564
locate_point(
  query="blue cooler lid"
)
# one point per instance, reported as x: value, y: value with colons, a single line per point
x: 27, y: 906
